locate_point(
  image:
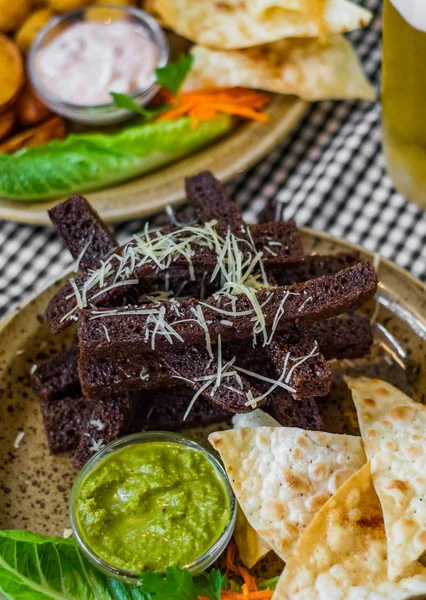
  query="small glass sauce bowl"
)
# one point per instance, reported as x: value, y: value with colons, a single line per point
x: 101, y: 114
x: 199, y: 565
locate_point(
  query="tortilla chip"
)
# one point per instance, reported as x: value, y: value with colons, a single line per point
x: 342, y: 554
x: 306, y: 68
x: 393, y: 428
x: 269, y: 8
x: 251, y: 547
x: 282, y: 476
x: 228, y: 25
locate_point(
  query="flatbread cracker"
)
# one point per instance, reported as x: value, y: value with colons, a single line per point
x: 251, y: 547
x: 306, y: 68
x: 342, y: 554
x: 393, y: 429
x: 282, y: 476
x: 232, y: 25
x: 269, y: 8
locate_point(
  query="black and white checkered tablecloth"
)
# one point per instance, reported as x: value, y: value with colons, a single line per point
x: 329, y: 174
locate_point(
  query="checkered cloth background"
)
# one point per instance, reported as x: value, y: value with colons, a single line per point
x: 329, y: 174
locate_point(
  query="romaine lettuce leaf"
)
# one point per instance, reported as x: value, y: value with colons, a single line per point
x: 34, y: 567
x: 87, y: 161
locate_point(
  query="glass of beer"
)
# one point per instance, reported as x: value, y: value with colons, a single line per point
x: 404, y: 96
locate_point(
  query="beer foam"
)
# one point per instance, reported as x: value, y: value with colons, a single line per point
x: 413, y: 11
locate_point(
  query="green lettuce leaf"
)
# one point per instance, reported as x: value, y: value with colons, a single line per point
x: 125, y: 101
x: 34, y: 567
x: 269, y: 584
x: 87, y: 161
x: 172, y: 75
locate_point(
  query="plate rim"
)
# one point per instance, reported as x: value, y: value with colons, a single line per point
x: 285, y: 112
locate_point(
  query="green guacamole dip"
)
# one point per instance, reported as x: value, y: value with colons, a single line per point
x: 152, y: 505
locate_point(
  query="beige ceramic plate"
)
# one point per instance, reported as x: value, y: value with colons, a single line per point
x: 151, y: 193
x: 35, y: 486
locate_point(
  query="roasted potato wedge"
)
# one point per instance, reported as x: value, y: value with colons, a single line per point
x: 62, y: 6
x: 120, y: 2
x: 7, y: 121
x: 29, y: 109
x: 11, y: 72
x: 36, y: 4
x: 107, y: 13
x: 53, y: 129
x: 30, y: 27
x: 13, y: 13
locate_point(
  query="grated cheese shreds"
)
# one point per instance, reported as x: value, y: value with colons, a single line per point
x: 201, y: 321
x: 106, y: 333
x: 173, y: 219
x: 278, y: 382
x: 266, y: 379
x: 144, y: 375
x: 78, y: 297
x: 18, y: 439
x: 115, y: 285
x: 304, y: 303
x: 97, y: 445
x: 237, y: 261
x: 83, y: 252
x: 301, y: 360
x: 194, y: 399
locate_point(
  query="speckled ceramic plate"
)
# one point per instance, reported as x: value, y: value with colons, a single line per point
x: 231, y: 155
x: 35, y: 486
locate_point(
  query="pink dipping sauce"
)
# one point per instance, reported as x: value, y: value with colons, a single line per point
x: 88, y: 60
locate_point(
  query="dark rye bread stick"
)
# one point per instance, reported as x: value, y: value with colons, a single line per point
x: 140, y: 370
x: 284, y: 246
x: 344, y: 337
x: 64, y: 302
x: 311, y: 377
x: 339, y: 337
x: 313, y: 266
x: 129, y: 330
x: 162, y: 409
x: 191, y: 363
x: 169, y: 407
x: 64, y: 420
x: 84, y: 233
x: 56, y: 377
x: 212, y: 201
x: 292, y: 413
x: 109, y: 420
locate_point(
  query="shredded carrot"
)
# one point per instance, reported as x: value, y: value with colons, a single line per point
x: 249, y: 580
x: 206, y: 104
x: 231, y: 554
x: 257, y: 595
x: 249, y: 588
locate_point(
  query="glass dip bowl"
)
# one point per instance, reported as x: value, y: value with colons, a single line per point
x: 97, y: 114
x: 108, y: 483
